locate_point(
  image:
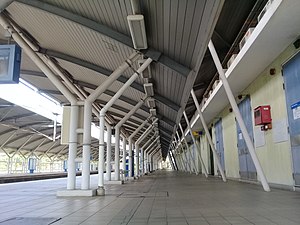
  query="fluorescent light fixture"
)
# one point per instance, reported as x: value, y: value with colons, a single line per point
x: 153, y: 112
x: 149, y: 89
x: 151, y: 103
x: 147, y: 72
x: 137, y: 30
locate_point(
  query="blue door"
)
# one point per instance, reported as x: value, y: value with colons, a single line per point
x: 219, y: 142
x: 247, y: 168
x: 291, y: 74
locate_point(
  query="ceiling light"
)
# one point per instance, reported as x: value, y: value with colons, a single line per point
x: 137, y: 30
x: 149, y: 89
x: 147, y: 72
x: 151, y: 103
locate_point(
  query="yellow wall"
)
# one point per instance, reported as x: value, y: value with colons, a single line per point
x: 205, y: 153
x: 230, y: 144
x: 275, y: 158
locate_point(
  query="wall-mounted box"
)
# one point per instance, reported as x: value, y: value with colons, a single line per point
x: 265, y: 9
x: 262, y: 115
x: 10, y: 63
x: 230, y: 61
x: 246, y: 37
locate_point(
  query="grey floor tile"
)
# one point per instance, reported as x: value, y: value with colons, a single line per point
x: 191, y: 200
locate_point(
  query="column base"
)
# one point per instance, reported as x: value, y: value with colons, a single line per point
x: 114, y: 182
x: 76, y: 193
x: 100, y: 191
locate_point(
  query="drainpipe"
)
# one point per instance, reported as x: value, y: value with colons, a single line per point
x: 130, y: 161
x: 238, y: 116
x: 147, y: 131
x: 102, y: 121
x: 196, y: 145
x: 117, y: 136
x: 108, y: 153
x: 208, y: 136
x: 88, y: 115
x: 62, y: 88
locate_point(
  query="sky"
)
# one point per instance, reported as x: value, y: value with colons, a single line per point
x: 27, y: 96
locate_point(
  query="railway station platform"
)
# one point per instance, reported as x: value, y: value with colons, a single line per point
x: 163, y: 197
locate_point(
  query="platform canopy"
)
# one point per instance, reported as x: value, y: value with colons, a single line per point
x: 90, y: 39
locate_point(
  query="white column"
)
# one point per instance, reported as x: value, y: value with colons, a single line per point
x: 130, y: 160
x: 117, y: 153
x: 151, y: 163
x: 137, y: 159
x: 124, y: 155
x: 108, y: 153
x: 142, y: 161
x: 101, y: 190
x: 238, y: 116
x: 146, y: 162
x: 71, y: 180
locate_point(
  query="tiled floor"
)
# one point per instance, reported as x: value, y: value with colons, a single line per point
x: 163, y: 197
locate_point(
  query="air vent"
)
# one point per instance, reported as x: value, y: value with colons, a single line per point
x: 216, y: 84
x: 149, y: 89
x: 231, y: 60
x: 246, y: 37
x: 265, y: 9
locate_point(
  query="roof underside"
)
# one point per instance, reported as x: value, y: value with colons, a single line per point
x: 90, y: 39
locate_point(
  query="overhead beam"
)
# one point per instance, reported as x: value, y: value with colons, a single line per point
x: 107, y: 72
x: 165, y: 120
x: 163, y: 141
x: 19, y: 116
x: 166, y: 133
x: 165, y: 138
x: 111, y: 93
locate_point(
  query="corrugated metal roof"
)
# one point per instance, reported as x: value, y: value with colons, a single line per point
x: 77, y: 32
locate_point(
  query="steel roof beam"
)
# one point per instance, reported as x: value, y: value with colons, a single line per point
x: 107, y: 72
x: 107, y: 92
x: 123, y: 98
